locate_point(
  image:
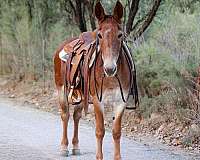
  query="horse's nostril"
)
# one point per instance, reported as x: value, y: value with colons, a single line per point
x: 114, y: 69
x: 110, y: 70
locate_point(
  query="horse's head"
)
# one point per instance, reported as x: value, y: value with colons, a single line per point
x: 110, y: 36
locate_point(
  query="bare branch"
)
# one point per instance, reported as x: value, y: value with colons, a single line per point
x: 30, y: 7
x: 72, y: 6
x: 147, y: 20
x: 66, y: 7
x: 80, y: 15
x: 132, y: 13
x: 138, y: 23
x: 90, y: 5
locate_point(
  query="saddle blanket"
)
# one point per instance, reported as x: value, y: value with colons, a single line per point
x: 63, y: 55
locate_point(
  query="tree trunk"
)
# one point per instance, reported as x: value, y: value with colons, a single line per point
x: 1, y: 56
x: 43, y: 64
x: 80, y: 15
x: 131, y: 16
x: 148, y: 19
x: 90, y: 5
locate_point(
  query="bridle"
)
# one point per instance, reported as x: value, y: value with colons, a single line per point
x: 132, y: 74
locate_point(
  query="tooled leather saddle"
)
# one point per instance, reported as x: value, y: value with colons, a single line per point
x: 77, y: 57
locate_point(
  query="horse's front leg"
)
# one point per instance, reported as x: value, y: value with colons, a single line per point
x: 116, y: 131
x: 75, y: 141
x: 100, y: 130
x: 65, y: 119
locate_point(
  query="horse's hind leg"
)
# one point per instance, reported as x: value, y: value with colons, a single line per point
x: 75, y: 141
x: 65, y: 118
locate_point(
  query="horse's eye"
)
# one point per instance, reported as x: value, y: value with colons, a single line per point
x: 99, y: 35
x: 120, y: 35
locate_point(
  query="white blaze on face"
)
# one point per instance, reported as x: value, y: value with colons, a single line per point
x: 109, y: 55
x: 107, y: 32
x: 108, y: 59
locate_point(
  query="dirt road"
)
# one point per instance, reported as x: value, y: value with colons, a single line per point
x: 30, y: 134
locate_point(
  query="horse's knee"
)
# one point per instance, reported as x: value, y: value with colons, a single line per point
x: 77, y: 114
x: 116, y: 135
x: 64, y: 115
x: 100, y: 133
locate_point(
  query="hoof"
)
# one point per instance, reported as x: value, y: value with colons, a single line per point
x: 64, y: 152
x: 76, y: 152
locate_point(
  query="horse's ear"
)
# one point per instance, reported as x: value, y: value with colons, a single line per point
x: 118, y: 11
x: 99, y: 11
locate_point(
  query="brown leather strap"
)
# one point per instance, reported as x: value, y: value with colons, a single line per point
x: 75, y: 63
x: 133, y: 85
x: 86, y: 76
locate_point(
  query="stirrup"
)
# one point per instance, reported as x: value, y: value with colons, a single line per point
x: 131, y: 108
x: 74, y: 96
x: 63, y: 114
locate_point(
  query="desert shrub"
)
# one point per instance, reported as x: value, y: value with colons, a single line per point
x: 167, y: 62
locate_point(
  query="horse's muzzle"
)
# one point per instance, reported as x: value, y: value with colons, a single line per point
x: 110, y: 70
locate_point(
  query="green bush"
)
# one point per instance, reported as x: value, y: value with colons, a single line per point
x: 166, y: 64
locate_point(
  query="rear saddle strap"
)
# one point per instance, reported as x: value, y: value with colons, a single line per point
x: 86, y: 76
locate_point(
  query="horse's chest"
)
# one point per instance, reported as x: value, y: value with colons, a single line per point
x: 113, y: 96
x: 112, y: 93
x: 112, y: 102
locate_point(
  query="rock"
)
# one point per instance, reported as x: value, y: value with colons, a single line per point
x: 190, y: 148
x: 167, y: 141
x: 171, y: 125
x: 176, y: 142
x: 155, y: 116
x: 161, y: 128
x: 134, y: 129
x: 194, y: 130
x: 12, y: 96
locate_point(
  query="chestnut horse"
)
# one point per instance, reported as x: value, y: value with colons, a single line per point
x: 110, y: 81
